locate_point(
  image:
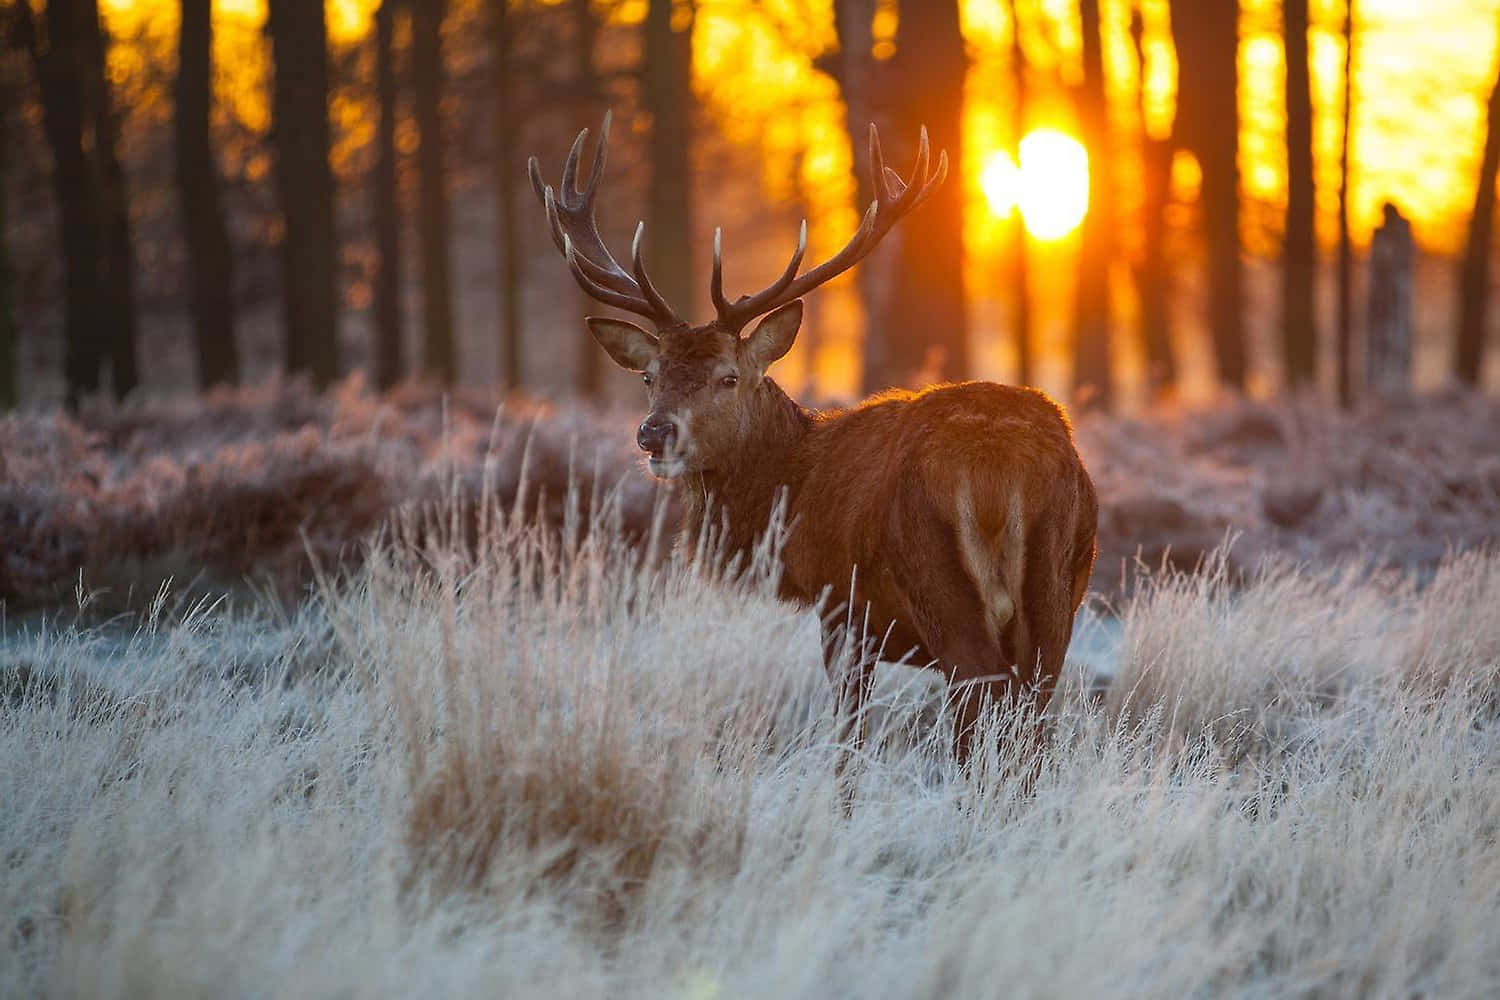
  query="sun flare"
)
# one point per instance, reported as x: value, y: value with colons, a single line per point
x: 1050, y: 186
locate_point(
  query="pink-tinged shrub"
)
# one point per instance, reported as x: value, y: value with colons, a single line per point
x: 251, y: 482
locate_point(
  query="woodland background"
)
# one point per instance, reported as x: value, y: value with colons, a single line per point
x: 234, y: 190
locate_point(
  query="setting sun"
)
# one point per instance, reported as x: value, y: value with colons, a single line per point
x: 1050, y: 186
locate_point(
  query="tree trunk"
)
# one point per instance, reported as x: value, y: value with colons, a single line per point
x: 1151, y: 279
x: 1091, y: 372
x: 1474, y: 281
x: 386, y: 206
x: 116, y: 258
x: 925, y: 326
x: 506, y: 170
x: 669, y: 198
x: 1206, y: 33
x: 9, y: 396
x: 434, y: 228
x: 591, y: 367
x: 57, y: 63
x: 1345, y: 332
x: 853, y: 22
x: 1299, y: 259
x: 1020, y: 244
x: 210, y: 262
x: 304, y: 184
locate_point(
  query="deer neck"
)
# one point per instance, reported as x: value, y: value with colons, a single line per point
x: 740, y: 496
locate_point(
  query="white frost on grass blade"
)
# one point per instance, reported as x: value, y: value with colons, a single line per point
x: 543, y: 769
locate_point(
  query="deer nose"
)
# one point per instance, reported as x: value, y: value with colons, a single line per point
x: 656, y: 434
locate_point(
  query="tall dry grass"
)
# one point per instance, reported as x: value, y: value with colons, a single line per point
x: 548, y: 766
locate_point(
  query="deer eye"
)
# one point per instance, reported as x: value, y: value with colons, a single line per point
x: 646, y: 377
x: 729, y: 381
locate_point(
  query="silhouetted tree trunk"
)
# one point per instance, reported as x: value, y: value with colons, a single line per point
x: 117, y: 259
x: 1299, y: 260
x: 924, y: 331
x: 1207, y: 41
x: 386, y: 205
x: 304, y: 185
x: 506, y: 170
x: 851, y: 67
x: 210, y: 262
x: 1474, y: 281
x: 434, y: 228
x: 1020, y: 244
x: 1091, y: 372
x: 669, y: 198
x: 1151, y: 279
x: 1345, y: 331
x: 585, y: 26
x: 57, y: 62
x: 8, y: 340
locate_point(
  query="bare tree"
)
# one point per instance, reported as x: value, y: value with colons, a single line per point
x: 854, y: 69
x: 9, y: 31
x: 584, y: 23
x: 434, y: 227
x: 1345, y: 331
x: 1151, y: 277
x: 1020, y: 272
x: 304, y: 184
x: 116, y: 257
x: 55, y: 58
x: 385, y: 197
x: 1474, y: 280
x: 1299, y: 260
x: 667, y: 80
x: 506, y: 170
x: 924, y: 330
x: 1091, y: 372
x: 1206, y: 33
x: 210, y: 260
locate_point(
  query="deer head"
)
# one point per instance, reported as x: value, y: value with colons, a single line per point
x: 706, y: 385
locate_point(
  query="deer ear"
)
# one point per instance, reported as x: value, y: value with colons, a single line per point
x: 628, y: 345
x: 774, y: 335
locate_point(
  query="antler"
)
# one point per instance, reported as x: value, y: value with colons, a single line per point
x: 894, y: 197
x: 570, y: 212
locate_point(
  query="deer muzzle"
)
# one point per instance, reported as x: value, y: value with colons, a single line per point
x: 657, y: 435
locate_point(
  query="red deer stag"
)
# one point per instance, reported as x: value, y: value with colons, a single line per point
x: 959, y: 519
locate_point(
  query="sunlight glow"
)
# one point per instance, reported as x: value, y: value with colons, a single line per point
x: 1050, y: 187
x: 1001, y: 183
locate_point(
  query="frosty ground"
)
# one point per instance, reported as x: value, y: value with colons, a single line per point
x: 501, y: 752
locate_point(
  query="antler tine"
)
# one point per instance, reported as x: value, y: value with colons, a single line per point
x: 919, y: 172
x: 534, y: 172
x: 878, y: 169
x: 597, y: 170
x: 569, y: 184
x: 894, y: 197
x: 643, y: 280
x: 716, y: 279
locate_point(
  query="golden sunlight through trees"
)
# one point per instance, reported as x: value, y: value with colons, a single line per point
x: 1050, y: 187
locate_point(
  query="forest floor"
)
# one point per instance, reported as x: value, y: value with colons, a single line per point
x: 398, y: 724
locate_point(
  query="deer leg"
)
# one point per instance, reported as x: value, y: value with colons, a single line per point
x: 954, y: 619
x: 851, y: 671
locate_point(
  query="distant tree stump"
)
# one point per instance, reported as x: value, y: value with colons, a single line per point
x: 1389, y: 320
